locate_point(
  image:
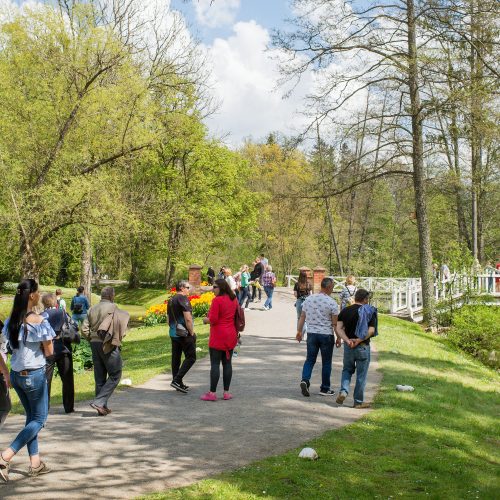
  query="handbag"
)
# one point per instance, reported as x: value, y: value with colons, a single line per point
x: 69, y: 331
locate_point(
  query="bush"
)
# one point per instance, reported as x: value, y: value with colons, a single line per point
x: 476, y: 330
x: 82, y: 356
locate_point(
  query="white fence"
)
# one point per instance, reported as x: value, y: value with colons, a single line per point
x: 406, y: 293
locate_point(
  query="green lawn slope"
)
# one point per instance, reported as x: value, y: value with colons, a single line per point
x: 441, y: 441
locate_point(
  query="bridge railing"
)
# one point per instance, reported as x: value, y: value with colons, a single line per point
x: 406, y: 293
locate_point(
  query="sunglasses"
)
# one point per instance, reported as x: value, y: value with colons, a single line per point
x: 215, y: 286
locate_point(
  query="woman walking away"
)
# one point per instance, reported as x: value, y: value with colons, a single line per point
x: 245, y: 287
x: 269, y: 282
x: 223, y: 338
x: 301, y: 290
x: 30, y: 339
x: 348, y: 292
x: 63, y: 356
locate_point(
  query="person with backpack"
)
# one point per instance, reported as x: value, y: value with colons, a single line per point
x: 347, y: 293
x: 60, y: 302
x: 63, y: 355
x: 79, y: 306
x: 29, y: 336
x: 223, y: 338
x: 244, y: 287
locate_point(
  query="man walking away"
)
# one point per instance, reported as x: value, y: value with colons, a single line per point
x: 180, y: 313
x: 255, y: 276
x: 105, y: 327
x: 320, y: 311
x: 358, y: 322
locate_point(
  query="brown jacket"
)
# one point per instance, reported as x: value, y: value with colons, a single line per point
x: 106, y: 316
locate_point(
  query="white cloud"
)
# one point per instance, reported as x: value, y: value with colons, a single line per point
x: 214, y: 14
x: 245, y: 77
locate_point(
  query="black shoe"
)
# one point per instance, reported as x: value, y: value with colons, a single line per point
x: 325, y: 392
x: 304, y: 387
x: 184, y: 386
x: 178, y: 387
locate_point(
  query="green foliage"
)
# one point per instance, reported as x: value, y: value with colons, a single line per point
x: 200, y: 310
x: 476, y: 330
x: 82, y: 356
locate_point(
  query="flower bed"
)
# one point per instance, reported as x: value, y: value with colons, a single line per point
x: 157, y: 313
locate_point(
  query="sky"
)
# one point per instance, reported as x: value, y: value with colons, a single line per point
x: 236, y: 35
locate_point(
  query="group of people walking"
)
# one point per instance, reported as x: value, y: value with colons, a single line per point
x: 327, y: 328
x: 36, y: 344
x: 248, y: 285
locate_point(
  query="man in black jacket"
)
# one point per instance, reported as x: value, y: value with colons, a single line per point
x: 255, y: 276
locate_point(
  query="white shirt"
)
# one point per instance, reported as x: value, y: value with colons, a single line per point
x: 319, y: 309
x: 231, y: 283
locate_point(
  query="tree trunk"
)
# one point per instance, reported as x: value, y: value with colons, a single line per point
x: 29, y: 268
x: 86, y: 266
x: 134, y: 281
x: 174, y: 240
x: 424, y: 237
x: 327, y: 205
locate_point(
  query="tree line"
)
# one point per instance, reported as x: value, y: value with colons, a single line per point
x: 107, y: 166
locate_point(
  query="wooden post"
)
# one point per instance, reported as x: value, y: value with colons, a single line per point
x: 195, y: 279
x: 318, y: 275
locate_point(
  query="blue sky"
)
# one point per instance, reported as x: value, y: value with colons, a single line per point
x: 267, y: 13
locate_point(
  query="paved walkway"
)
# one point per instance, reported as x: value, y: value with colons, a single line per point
x: 157, y: 438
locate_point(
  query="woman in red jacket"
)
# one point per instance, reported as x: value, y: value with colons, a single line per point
x: 223, y: 338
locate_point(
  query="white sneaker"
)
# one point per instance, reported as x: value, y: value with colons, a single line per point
x: 247, y: 309
x: 266, y: 308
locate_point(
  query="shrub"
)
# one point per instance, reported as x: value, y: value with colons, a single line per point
x: 82, y: 356
x: 476, y: 330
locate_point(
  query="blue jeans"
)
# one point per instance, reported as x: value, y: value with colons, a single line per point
x: 269, y: 292
x: 244, y: 294
x: 78, y: 318
x: 319, y: 342
x: 32, y: 391
x: 298, y: 306
x: 355, y: 360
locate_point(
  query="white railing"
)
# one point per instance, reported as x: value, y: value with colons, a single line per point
x: 406, y: 293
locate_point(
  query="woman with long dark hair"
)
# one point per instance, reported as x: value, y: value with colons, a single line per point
x: 223, y: 338
x: 301, y: 290
x: 30, y: 339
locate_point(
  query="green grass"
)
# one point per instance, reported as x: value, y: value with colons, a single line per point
x: 146, y: 352
x: 441, y: 441
x: 140, y: 297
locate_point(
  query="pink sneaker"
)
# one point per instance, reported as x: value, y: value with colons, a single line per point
x: 227, y: 395
x: 209, y: 396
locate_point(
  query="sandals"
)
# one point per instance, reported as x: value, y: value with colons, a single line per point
x: 4, y: 468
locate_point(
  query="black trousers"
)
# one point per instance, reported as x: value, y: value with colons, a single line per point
x: 186, y: 345
x: 216, y: 358
x: 5, y: 404
x: 107, y: 372
x: 64, y: 362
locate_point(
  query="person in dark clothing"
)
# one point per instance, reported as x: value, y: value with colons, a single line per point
x: 79, y: 306
x: 210, y: 276
x: 5, y: 404
x: 255, y: 276
x: 62, y: 357
x: 180, y: 313
x: 359, y: 323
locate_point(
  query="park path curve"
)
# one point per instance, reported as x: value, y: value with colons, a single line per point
x: 157, y: 438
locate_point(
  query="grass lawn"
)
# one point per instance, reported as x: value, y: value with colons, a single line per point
x: 441, y: 441
x: 146, y: 353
